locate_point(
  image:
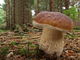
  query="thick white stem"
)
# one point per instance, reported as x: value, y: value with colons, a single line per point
x: 52, y: 41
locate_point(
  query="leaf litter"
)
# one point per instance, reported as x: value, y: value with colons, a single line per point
x: 13, y: 46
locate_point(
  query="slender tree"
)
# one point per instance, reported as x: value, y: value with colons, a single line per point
x: 56, y: 5
x: 41, y: 5
x: 66, y: 3
x: 27, y: 15
x: 36, y: 6
x: 7, y: 14
x: 52, y: 5
x: 13, y: 14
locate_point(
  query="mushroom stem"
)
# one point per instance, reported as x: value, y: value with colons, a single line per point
x: 52, y: 41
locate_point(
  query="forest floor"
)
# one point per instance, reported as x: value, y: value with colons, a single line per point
x: 16, y: 46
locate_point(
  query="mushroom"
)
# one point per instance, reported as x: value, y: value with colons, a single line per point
x: 54, y: 25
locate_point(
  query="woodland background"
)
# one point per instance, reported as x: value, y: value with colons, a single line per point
x: 21, y: 12
x: 18, y: 37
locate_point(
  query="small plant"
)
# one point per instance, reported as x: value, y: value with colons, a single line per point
x: 77, y: 28
x: 2, y: 16
x: 32, y: 45
x: 23, y: 51
x: 4, y: 50
x: 71, y: 36
x: 14, y: 43
x: 72, y: 12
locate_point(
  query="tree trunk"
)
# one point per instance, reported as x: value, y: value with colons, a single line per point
x: 7, y: 14
x: 18, y: 12
x: 27, y: 11
x: 36, y: 6
x: 52, y: 5
x: 41, y: 5
x: 56, y: 5
x: 13, y: 14
x: 67, y: 2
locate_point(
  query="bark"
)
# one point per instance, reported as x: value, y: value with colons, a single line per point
x: 52, y: 5
x: 67, y: 2
x: 18, y: 12
x: 13, y: 14
x: 36, y: 6
x: 60, y: 5
x: 7, y: 14
x: 41, y: 5
x: 27, y: 12
x: 56, y: 5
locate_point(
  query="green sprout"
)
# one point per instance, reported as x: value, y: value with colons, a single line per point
x: 4, y: 50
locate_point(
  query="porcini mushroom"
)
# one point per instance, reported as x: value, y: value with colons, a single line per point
x: 54, y: 25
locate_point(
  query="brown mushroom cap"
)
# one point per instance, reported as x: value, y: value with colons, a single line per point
x: 55, y: 19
